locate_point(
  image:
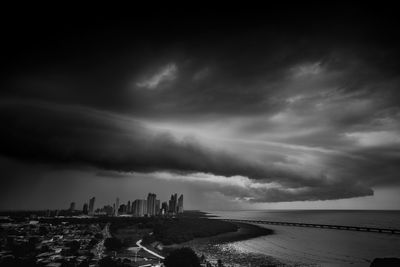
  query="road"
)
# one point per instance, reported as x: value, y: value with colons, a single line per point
x: 99, y: 248
x: 139, y: 244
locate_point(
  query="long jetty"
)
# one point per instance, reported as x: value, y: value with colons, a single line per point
x: 322, y: 226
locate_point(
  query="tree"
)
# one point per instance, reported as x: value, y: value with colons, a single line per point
x: 147, y: 239
x: 43, y: 230
x: 92, y: 243
x: 98, y: 236
x: 183, y: 257
x: 74, y: 246
x: 84, y: 263
x: 202, y: 258
x: 33, y: 240
x: 107, y: 262
x: 113, y: 243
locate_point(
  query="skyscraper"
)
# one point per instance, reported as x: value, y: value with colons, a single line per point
x: 122, y: 209
x: 151, y: 204
x: 144, y: 207
x: 72, y: 206
x: 128, y: 207
x: 180, y: 204
x: 164, y: 208
x: 116, y: 207
x: 140, y: 207
x: 85, y: 208
x: 91, y: 205
x: 173, y: 205
x: 157, y: 207
x: 134, y: 205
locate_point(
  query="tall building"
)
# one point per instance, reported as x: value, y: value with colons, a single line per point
x: 116, y: 206
x: 85, y: 208
x: 72, y: 206
x: 164, y: 208
x: 144, y: 207
x: 140, y: 207
x: 91, y: 205
x: 133, y: 208
x: 157, y: 208
x: 173, y: 204
x: 122, y: 209
x: 128, y: 207
x: 170, y: 203
x: 180, y: 204
x: 176, y: 203
x: 151, y: 204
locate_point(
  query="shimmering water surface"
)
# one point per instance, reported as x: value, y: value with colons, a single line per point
x: 297, y: 246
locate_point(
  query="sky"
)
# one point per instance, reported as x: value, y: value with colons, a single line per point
x: 281, y: 107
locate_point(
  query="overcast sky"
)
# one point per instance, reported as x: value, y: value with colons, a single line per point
x: 283, y: 107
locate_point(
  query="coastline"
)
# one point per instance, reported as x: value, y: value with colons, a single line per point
x: 245, y: 231
x: 217, y: 246
x: 223, y: 246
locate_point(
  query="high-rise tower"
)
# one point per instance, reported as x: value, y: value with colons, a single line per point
x: 91, y: 205
x: 85, y: 208
x: 116, y: 207
x: 151, y: 204
x: 180, y: 204
x: 72, y: 206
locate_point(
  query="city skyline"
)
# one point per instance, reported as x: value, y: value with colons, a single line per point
x: 287, y: 107
x: 138, y: 207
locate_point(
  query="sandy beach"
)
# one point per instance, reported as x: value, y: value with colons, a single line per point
x: 217, y: 247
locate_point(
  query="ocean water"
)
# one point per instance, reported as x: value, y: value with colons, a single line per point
x: 298, y: 246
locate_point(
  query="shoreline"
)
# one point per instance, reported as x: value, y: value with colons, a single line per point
x: 245, y: 231
x: 222, y: 246
x: 215, y: 246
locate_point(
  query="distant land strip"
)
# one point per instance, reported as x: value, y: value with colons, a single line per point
x: 322, y: 226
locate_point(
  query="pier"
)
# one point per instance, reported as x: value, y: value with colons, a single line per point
x: 322, y: 226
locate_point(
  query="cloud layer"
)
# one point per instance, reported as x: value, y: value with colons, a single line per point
x: 256, y: 112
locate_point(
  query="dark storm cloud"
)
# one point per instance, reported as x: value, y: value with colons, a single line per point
x: 247, y: 59
x: 315, y: 91
x: 74, y: 135
x: 333, y: 191
x: 374, y: 166
x: 236, y: 81
x: 245, y: 189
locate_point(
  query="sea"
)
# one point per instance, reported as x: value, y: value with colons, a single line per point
x: 300, y: 246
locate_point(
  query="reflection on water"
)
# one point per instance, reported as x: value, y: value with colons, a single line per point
x: 231, y: 253
x: 293, y: 246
